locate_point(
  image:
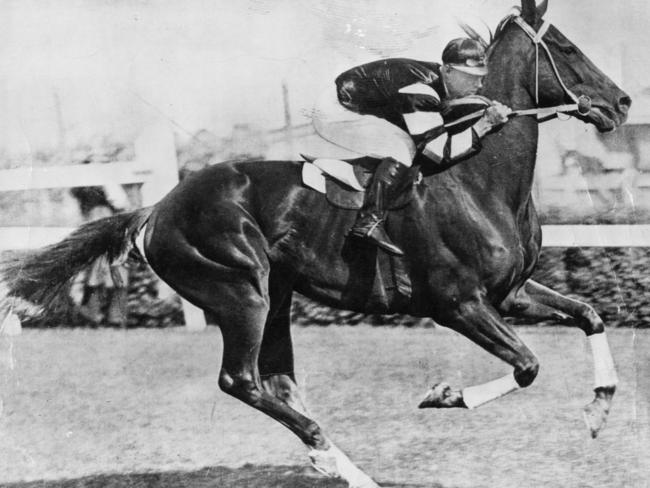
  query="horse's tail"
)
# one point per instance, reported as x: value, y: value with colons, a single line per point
x: 40, y: 276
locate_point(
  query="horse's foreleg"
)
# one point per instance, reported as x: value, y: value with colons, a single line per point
x: 278, y: 381
x: 276, y: 362
x: 479, y: 322
x: 330, y: 460
x: 240, y: 378
x: 537, y: 301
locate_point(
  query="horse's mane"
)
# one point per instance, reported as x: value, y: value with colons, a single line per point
x: 494, y: 37
x: 504, y: 23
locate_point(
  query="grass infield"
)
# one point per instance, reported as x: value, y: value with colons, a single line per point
x: 141, y: 408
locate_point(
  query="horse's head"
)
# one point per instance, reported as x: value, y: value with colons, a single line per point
x: 557, y: 71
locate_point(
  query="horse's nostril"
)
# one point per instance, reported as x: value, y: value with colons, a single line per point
x: 624, y: 104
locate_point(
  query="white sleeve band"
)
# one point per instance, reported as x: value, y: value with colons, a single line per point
x: 604, y: 370
x: 420, y: 89
x: 435, y: 150
x: 461, y: 143
x: 419, y: 122
x: 475, y: 396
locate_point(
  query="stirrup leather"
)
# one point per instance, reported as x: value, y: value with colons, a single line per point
x: 374, y: 232
x: 377, y: 222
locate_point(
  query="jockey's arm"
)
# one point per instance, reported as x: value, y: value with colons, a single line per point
x: 420, y: 106
x: 444, y: 150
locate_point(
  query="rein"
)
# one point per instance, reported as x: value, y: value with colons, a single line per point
x: 544, y: 114
x: 582, y: 103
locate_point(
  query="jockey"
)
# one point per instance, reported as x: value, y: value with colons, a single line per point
x: 383, y: 105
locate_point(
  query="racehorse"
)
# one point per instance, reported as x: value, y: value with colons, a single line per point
x: 236, y: 239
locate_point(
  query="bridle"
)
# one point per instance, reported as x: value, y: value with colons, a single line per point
x: 582, y: 103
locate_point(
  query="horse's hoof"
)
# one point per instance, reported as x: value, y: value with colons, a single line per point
x: 442, y: 396
x: 595, y: 414
x: 595, y: 417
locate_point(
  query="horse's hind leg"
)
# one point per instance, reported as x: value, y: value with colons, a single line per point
x: 240, y: 302
x: 480, y: 322
x: 539, y: 302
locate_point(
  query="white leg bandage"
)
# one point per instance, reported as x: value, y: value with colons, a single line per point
x: 475, y: 396
x: 334, y: 463
x: 604, y: 370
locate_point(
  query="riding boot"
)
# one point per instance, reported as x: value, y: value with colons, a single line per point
x: 389, y: 178
x: 116, y: 313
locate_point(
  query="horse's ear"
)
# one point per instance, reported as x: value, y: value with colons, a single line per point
x: 529, y: 11
x: 541, y: 9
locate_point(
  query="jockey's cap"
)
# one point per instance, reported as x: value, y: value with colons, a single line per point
x: 465, y: 55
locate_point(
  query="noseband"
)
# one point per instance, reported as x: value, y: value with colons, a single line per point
x: 582, y: 103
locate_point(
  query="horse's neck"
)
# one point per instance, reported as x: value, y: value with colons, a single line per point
x: 507, y: 161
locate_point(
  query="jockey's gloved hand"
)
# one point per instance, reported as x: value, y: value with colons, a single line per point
x: 494, y: 116
x: 497, y: 113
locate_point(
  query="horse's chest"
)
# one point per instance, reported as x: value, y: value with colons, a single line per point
x: 503, y: 261
x: 508, y: 261
x: 495, y: 254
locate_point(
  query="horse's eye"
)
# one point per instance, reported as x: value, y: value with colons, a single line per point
x: 568, y: 50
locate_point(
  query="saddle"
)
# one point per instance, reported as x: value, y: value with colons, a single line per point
x: 344, y: 182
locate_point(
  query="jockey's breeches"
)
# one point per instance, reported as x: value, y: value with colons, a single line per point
x: 363, y: 134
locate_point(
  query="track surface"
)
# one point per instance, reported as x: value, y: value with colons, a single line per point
x: 141, y: 408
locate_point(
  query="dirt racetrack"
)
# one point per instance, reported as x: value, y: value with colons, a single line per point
x: 140, y: 408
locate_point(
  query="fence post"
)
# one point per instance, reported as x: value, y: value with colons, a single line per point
x: 155, y: 149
